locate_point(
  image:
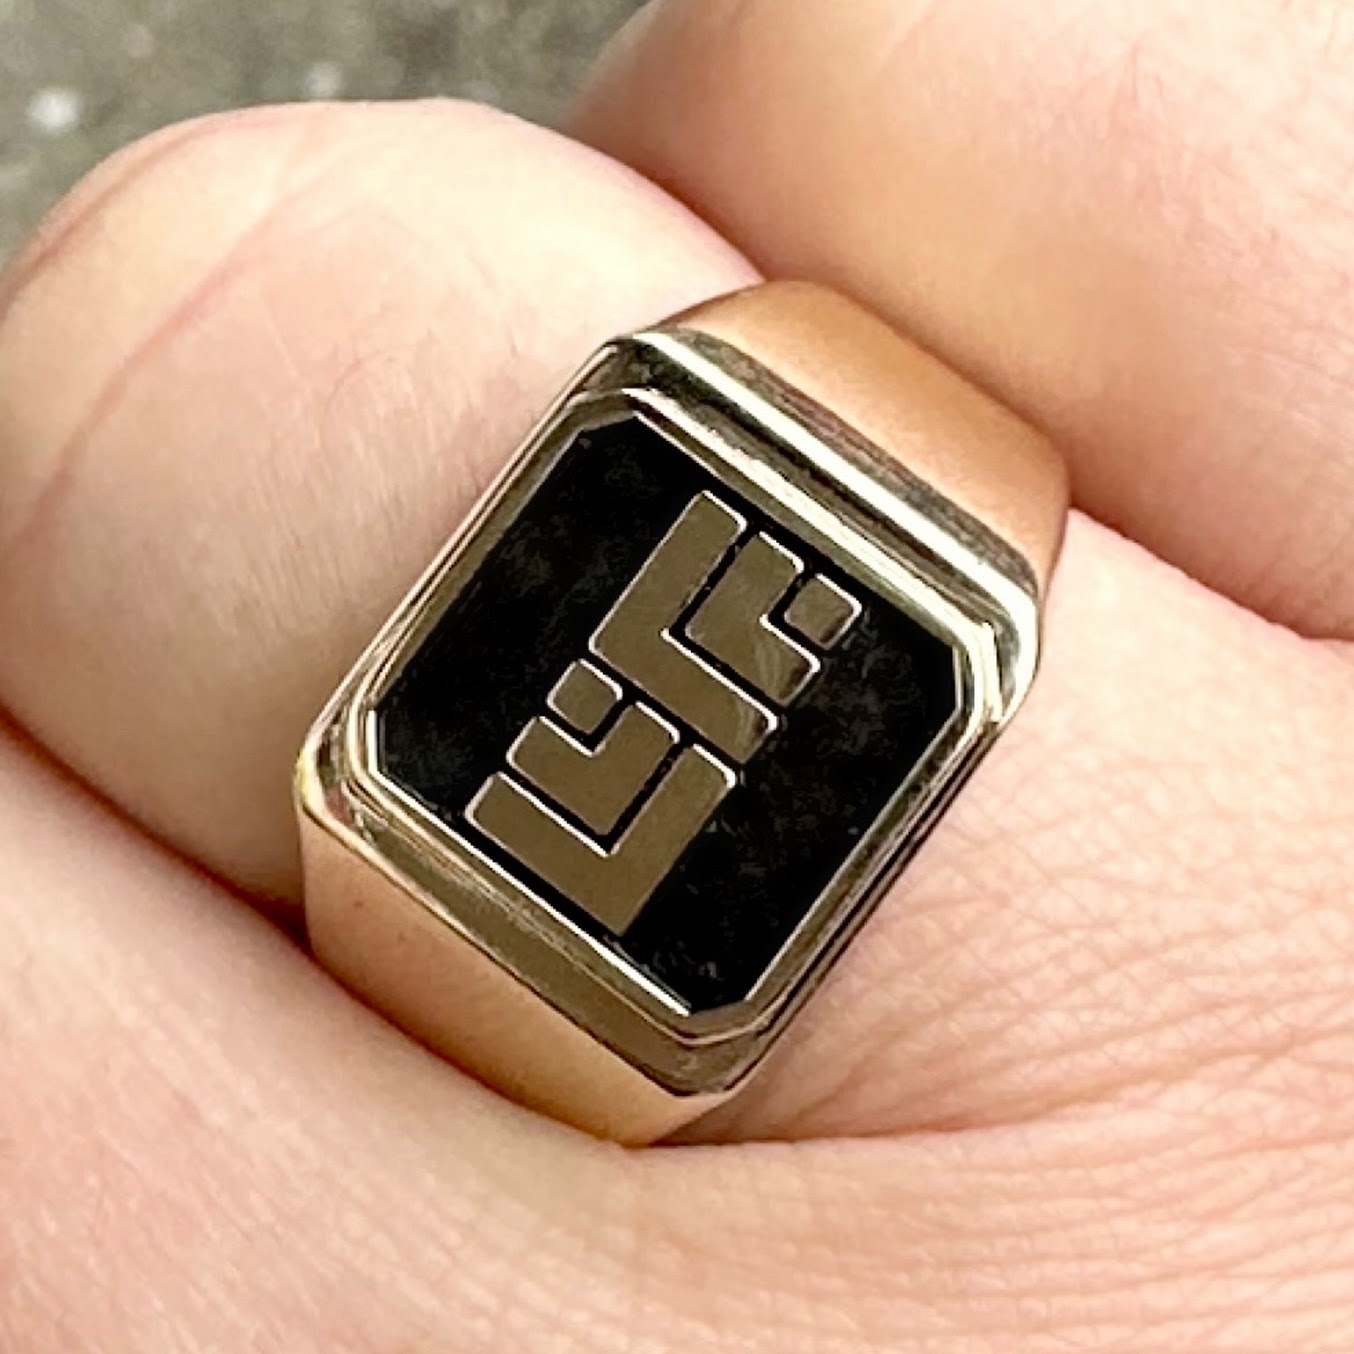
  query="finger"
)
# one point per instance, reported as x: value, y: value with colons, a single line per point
x: 320, y: 518
x: 207, y: 1146
x: 1133, y: 221
x: 1145, y: 880
x: 246, y: 390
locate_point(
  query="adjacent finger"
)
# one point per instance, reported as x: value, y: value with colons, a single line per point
x: 207, y: 1146
x: 245, y: 394
x: 1132, y: 220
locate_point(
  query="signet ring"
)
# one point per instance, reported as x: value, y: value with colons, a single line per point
x: 607, y: 797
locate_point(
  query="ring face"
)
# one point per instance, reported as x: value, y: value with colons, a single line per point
x: 670, y: 712
x: 662, y: 717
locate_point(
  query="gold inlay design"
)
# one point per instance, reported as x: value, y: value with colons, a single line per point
x: 694, y: 632
x: 597, y: 784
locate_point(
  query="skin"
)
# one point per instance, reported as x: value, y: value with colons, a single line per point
x: 1087, y: 1082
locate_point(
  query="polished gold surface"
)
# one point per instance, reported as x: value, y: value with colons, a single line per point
x: 584, y: 697
x: 822, y: 612
x: 733, y: 624
x: 385, y: 941
x: 911, y: 485
x: 637, y: 639
x: 970, y: 450
x: 597, y: 784
x: 611, y: 884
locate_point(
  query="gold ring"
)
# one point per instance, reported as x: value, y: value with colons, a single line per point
x: 607, y: 796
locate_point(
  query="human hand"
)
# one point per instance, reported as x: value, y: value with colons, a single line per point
x: 1087, y: 1080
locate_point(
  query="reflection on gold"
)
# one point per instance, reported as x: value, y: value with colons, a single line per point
x: 597, y: 784
x: 612, y: 885
x: 584, y: 697
x: 822, y: 612
x: 635, y: 638
x: 733, y: 624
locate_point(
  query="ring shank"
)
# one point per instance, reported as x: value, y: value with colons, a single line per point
x: 379, y: 940
x: 970, y: 449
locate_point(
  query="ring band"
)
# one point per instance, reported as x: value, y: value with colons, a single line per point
x: 605, y: 799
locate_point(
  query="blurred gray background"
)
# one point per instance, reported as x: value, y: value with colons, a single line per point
x: 78, y: 78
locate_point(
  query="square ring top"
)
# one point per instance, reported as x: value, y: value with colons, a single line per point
x: 677, y: 703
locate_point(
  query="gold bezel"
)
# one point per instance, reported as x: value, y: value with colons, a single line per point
x: 804, y: 470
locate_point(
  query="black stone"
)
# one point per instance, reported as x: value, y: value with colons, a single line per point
x: 717, y: 922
